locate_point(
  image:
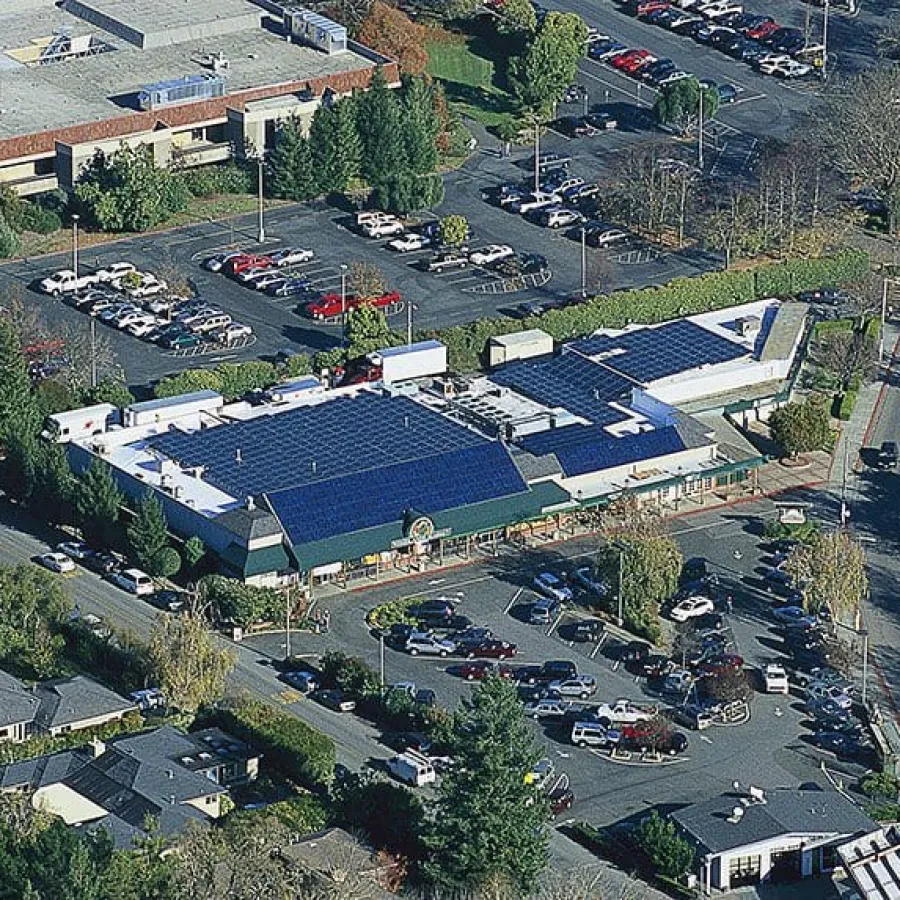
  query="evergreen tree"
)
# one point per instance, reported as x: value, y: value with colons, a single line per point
x: 53, y: 492
x: 489, y: 825
x: 334, y: 145
x: 9, y: 240
x: 98, y: 505
x: 19, y: 413
x: 291, y: 174
x: 420, y: 126
x: 148, y: 534
x: 381, y: 138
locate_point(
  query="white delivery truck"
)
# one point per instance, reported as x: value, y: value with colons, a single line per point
x: 412, y: 768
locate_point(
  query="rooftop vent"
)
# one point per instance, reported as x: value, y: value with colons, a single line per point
x: 736, y: 815
x: 317, y: 30
x: 188, y: 89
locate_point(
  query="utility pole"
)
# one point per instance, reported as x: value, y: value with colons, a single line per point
x: 583, y: 263
x: 343, y: 302
x: 410, y: 306
x: 261, y: 230
x: 884, y: 299
x: 537, y: 155
x: 825, y: 43
x: 287, y: 626
x: 620, y: 618
x: 75, y: 219
x: 700, y: 136
x: 381, y: 658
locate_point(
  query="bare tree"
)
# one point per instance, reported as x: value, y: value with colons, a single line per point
x: 846, y: 354
x: 366, y: 280
x: 87, y: 358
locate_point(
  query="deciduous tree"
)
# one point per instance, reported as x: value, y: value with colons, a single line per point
x: 515, y: 16
x: 454, y: 230
x: 801, y: 427
x: 366, y: 280
x: 189, y: 666
x: 390, y: 31
x: 831, y: 573
x: 678, y: 104
x: 488, y: 825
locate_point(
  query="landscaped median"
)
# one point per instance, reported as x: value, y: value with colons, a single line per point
x: 648, y: 306
x: 394, y: 612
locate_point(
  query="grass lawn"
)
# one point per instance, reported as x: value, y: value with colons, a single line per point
x: 470, y: 79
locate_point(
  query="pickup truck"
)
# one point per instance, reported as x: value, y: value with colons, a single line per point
x: 330, y: 306
x: 64, y: 282
x: 449, y: 260
x: 624, y: 712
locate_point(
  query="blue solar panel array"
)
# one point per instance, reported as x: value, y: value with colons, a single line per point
x: 572, y: 381
x: 359, y: 500
x: 653, y: 353
x: 588, y: 448
x: 316, y: 443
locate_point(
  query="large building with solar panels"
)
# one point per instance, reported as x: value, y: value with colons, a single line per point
x: 319, y: 483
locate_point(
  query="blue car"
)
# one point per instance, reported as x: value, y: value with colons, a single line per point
x: 791, y: 615
x: 292, y: 287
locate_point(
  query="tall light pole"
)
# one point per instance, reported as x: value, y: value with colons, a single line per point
x: 343, y: 302
x: 583, y: 262
x: 261, y: 229
x: 93, y: 324
x: 409, y: 322
x: 825, y: 43
x: 700, y: 136
x: 75, y: 219
x: 537, y: 155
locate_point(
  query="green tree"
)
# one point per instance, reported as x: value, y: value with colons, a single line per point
x: 420, y: 125
x: 238, y: 379
x: 669, y: 853
x: 189, y: 666
x: 381, y: 137
x: 9, y: 240
x: 194, y: 552
x: 488, y: 825
x: 127, y: 191
x: 831, y: 572
x: 166, y: 563
x: 801, y: 427
x: 678, y: 104
x: 409, y: 193
x: 241, y: 604
x: 454, y: 230
x: 187, y: 382
x: 110, y: 390
x: 148, y: 534
x: 516, y: 16
x: 334, y: 146
x: 550, y: 62
x: 291, y: 172
x: 368, y: 330
x: 649, y: 563
x: 53, y: 492
x: 349, y: 673
x: 19, y: 412
x: 98, y: 505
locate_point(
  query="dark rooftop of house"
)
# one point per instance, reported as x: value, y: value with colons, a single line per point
x: 17, y: 703
x: 68, y: 701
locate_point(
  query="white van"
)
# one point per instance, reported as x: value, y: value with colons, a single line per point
x: 593, y: 734
x: 412, y: 768
x: 134, y: 581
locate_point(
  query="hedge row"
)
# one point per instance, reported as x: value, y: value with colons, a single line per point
x: 300, y: 752
x: 648, y: 306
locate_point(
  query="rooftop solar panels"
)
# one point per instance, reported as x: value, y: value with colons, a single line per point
x: 581, y: 448
x: 571, y: 381
x: 361, y: 500
x: 654, y: 353
x: 316, y: 443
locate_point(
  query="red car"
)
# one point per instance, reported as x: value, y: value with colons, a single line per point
x: 238, y: 263
x: 493, y: 650
x: 719, y: 665
x: 621, y: 59
x: 637, y: 62
x: 653, y: 734
x: 479, y: 669
x: 762, y: 30
x: 330, y: 306
x: 645, y: 7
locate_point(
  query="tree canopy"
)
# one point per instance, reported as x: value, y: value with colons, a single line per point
x: 488, y: 825
x: 801, y: 427
x: 98, y: 505
x: 678, y: 104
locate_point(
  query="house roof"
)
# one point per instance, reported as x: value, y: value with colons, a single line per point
x: 68, y: 701
x: 713, y: 825
x: 17, y: 704
x: 249, y: 524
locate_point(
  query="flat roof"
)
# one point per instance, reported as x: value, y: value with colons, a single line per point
x: 518, y: 338
x: 176, y: 401
x: 406, y: 349
x: 95, y: 88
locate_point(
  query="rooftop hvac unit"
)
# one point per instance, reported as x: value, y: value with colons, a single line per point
x: 316, y: 30
x: 188, y: 89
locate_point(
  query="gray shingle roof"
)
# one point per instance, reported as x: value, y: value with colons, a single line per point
x: 17, y: 703
x: 68, y: 701
x: 249, y: 524
x: 783, y: 812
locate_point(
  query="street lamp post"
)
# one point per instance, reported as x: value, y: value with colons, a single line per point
x: 343, y: 302
x: 410, y: 306
x: 261, y: 229
x: 537, y: 155
x: 700, y: 134
x: 75, y: 219
x: 620, y: 615
x: 93, y: 325
x: 583, y: 262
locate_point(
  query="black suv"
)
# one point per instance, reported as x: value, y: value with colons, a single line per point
x: 887, y: 455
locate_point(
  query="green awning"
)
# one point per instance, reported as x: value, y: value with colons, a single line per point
x: 247, y: 563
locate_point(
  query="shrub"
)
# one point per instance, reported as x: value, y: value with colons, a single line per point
x: 242, y: 604
x: 394, y: 612
x: 9, y: 240
x: 208, y: 181
x: 881, y: 786
x: 669, y: 853
x: 846, y: 404
x: 303, y: 814
x: 350, y: 674
x: 290, y: 745
x: 40, y: 220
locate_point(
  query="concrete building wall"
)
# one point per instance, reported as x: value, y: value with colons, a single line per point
x: 693, y: 385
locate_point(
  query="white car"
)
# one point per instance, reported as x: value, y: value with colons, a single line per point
x: 536, y: 200
x: 691, y: 607
x: 788, y: 68
x: 150, y: 286
x: 430, y: 645
x: 115, y: 271
x: 549, y: 585
x: 675, y: 76
x: 560, y: 218
x: 233, y: 331
x: 720, y: 8
x: 135, y: 317
x: 606, y: 237
x: 383, y: 228
x: 140, y: 328
x: 549, y: 708
x: 74, y: 549
x: 269, y: 277
x: 624, y: 712
x: 64, y: 282
x: 484, y: 256
x: 775, y: 679
x: 291, y: 256
x: 410, y: 242
x: 57, y: 562
x: 580, y: 686
x: 248, y: 276
x: 833, y: 692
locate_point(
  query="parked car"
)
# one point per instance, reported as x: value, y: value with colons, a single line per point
x: 447, y: 623
x: 101, y: 562
x: 543, y: 611
x: 334, y: 699
x: 134, y: 581
x: 493, y: 253
x: 583, y: 631
x: 290, y: 287
x: 587, y: 579
x: 624, y: 711
x: 691, y: 607
x: 291, y: 256
x: 835, y: 693
x: 535, y: 200
x: 439, y: 606
x: 887, y: 456
x: 581, y: 686
x: 410, y: 242
x: 447, y: 259
x: 550, y: 708
x: 599, y: 235
x: 775, y: 679
x: 719, y: 665
x: 114, y: 271
x: 558, y: 217
x: 217, y: 262
x: 492, y: 648
x: 57, y: 562
x: 479, y: 669
x: 64, y: 282
x: 792, y: 615
x: 471, y: 637
x: 77, y: 550
x: 232, y: 332
x: 384, y: 228
x: 429, y: 644
x: 653, y: 735
x: 693, y: 715
x: 553, y: 587
x: 844, y: 746
x: 170, y: 601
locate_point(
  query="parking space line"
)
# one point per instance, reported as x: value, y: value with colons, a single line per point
x: 514, y: 599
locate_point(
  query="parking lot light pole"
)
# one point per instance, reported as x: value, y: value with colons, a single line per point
x: 622, y: 548
x: 537, y: 155
x: 381, y: 658
x: 343, y: 302
x: 700, y: 133
x: 261, y: 229
x: 583, y: 262
x: 75, y: 219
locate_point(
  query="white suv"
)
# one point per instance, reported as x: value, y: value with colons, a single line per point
x: 429, y: 644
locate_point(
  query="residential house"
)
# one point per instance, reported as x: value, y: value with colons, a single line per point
x: 781, y: 835
x: 18, y: 707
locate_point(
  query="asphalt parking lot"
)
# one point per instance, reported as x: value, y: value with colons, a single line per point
x: 771, y: 750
